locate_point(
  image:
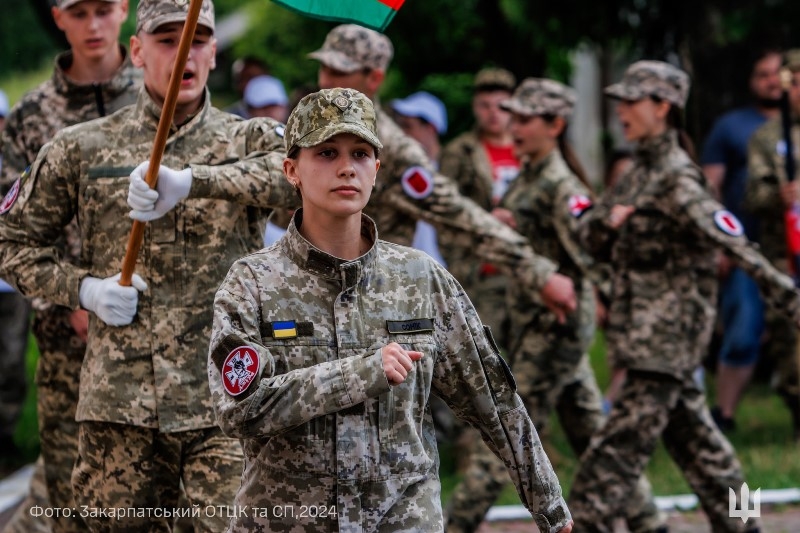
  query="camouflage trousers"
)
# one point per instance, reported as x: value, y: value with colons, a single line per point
x: 14, y: 317
x: 653, y: 406
x: 545, y: 386
x: 140, y: 470
x: 57, y: 382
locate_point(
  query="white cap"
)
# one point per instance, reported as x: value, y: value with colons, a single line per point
x: 3, y: 105
x: 263, y: 91
x: 425, y: 106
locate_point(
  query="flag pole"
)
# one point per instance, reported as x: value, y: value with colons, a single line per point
x: 162, y: 133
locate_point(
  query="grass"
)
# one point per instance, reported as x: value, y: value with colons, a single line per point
x: 762, y: 441
x: 18, y: 83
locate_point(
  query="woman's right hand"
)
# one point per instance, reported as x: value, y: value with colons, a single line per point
x: 398, y: 362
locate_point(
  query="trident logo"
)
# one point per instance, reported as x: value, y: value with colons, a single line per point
x: 744, y: 496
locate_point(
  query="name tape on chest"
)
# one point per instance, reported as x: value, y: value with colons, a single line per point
x: 415, y: 325
x: 578, y: 204
x: 240, y: 369
x: 728, y: 223
x: 417, y: 182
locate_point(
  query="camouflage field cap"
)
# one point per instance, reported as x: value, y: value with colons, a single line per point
x: 150, y: 14
x: 539, y: 96
x: 64, y: 4
x: 791, y: 59
x: 496, y: 78
x: 349, y: 47
x: 323, y: 114
x: 652, y: 78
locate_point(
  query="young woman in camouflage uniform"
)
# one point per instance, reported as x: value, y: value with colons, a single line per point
x: 660, y: 228
x: 549, y: 358
x: 326, y: 346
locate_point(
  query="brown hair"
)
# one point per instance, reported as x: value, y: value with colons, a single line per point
x: 568, y: 153
x: 675, y: 121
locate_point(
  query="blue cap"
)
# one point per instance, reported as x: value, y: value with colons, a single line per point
x: 3, y: 104
x: 263, y: 91
x: 425, y: 106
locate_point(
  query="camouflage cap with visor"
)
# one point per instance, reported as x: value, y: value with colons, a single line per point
x: 349, y: 47
x: 150, y: 14
x: 64, y: 4
x: 323, y: 114
x: 494, y: 78
x: 540, y: 96
x: 652, y: 78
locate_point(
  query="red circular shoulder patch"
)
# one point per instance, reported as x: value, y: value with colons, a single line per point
x: 239, y: 370
x: 578, y: 203
x: 10, y: 197
x: 728, y: 223
x: 417, y: 182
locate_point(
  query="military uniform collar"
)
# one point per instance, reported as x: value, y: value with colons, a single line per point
x: 652, y: 150
x: 322, y: 264
x: 535, y: 170
x: 121, y: 82
x: 151, y: 111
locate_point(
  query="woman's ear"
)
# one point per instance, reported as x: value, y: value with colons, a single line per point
x: 557, y: 126
x: 290, y: 171
x: 662, y: 109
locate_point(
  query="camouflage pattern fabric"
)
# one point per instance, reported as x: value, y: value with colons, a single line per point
x: 23, y: 521
x: 652, y: 78
x: 55, y: 104
x: 350, y: 47
x: 320, y: 423
x: 766, y: 160
x: 84, y: 172
x: 664, y: 280
x: 549, y: 360
x: 494, y: 78
x: 64, y: 4
x: 653, y: 406
x: 660, y: 320
x: 14, y: 317
x: 467, y: 225
x: 122, y: 466
x: 541, y: 96
x: 150, y: 14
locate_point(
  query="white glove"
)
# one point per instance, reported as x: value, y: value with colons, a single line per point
x: 150, y: 204
x: 111, y: 302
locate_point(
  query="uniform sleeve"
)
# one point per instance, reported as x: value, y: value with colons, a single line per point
x: 256, y: 178
x: 762, y: 194
x: 594, y: 233
x: 453, y: 160
x: 47, y: 201
x: 701, y: 211
x: 273, y: 403
x: 16, y: 156
x: 566, y: 226
x: 472, y: 227
x: 471, y: 376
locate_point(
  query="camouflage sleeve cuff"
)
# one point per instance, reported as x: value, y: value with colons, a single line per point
x: 543, y: 268
x: 202, y: 182
x: 554, y: 518
x: 362, y: 377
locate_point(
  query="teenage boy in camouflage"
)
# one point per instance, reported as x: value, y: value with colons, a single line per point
x: 146, y: 423
x: 94, y: 78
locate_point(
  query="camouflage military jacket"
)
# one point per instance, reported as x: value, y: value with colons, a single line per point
x: 295, y: 370
x: 465, y: 161
x: 55, y: 104
x: 546, y: 199
x: 766, y: 160
x: 409, y: 189
x: 152, y: 372
x: 663, y: 257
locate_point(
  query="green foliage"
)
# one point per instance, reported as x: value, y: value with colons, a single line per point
x: 23, y: 46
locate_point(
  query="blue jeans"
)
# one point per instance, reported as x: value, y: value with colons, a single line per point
x: 742, y: 313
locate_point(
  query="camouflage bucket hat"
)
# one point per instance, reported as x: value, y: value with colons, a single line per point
x: 539, y: 96
x: 150, y: 14
x: 64, y: 4
x: 495, y: 78
x: 349, y: 47
x: 652, y: 78
x: 323, y: 114
x: 791, y: 59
